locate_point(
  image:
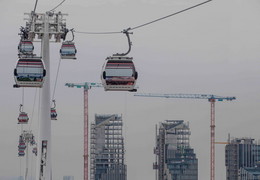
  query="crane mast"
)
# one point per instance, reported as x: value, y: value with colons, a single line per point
x: 212, y: 99
x: 86, y: 86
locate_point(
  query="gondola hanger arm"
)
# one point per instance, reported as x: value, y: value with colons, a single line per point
x: 126, y: 32
x: 21, y: 106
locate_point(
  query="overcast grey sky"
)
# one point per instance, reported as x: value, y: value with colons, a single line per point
x: 213, y: 49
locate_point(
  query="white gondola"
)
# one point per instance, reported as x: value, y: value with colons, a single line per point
x: 25, y: 47
x: 119, y: 74
x: 23, y: 118
x: 68, y: 50
x: 29, y: 72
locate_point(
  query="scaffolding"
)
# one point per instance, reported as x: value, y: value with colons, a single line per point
x: 107, y: 148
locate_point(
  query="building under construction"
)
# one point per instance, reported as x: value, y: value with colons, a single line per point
x: 242, y: 159
x: 107, y: 148
x: 175, y: 159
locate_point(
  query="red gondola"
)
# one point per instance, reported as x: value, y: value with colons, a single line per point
x: 53, y: 114
x: 29, y: 72
x: 23, y: 118
x: 119, y: 74
x: 68, y: 50
x: 25, y: 47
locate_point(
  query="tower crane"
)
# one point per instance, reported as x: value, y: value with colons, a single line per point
x: 86, y: 86
x: 212, y: 99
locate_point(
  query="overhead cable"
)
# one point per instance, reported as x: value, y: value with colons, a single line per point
x: 58, y: 5
x: 56, y: 79
x: 97, y: 32
x: 145, y: 24
x: 170, y: 15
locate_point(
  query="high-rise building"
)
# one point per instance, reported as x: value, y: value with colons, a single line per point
x: 107, y: 148
x: 249, y: 173
x: 242, y: 158
x: 175, y: 159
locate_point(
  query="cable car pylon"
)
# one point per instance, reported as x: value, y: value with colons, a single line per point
x: 30, y: 72
x: 212, y: 99
x: 86, y: 86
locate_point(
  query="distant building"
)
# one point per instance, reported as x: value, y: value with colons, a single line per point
x: 68, y: 177
x: 107, y: 148
x: 20, y: 178
x: 249, y: 173
x: 11, y: 178
x: 175, y: 159
x: 242, y: 158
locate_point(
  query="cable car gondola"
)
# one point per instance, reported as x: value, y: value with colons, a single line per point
x: 119, y: 74
x: 53, y: 114
x: 68, y: 50
x: 29, y: 72
x: 21, y: 147
x: 34, y: 151
x: 25, y: 47
x: 23, y: 118
x: 21, y: 153
x: 53, y: 111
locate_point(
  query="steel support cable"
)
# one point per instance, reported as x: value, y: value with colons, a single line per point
x: 56, y: 79
x: 170, y: 15
x: 145, y: 24
x: 34, y: 101
x: 58, y: 5
x: 119, y: 32
x: 22, y: 96
x: 35, y: 6
x: 39, y: 110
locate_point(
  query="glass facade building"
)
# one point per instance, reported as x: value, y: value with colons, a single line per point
x: 242, y: 154
x: 107, y: 148
x: 175, y: 159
